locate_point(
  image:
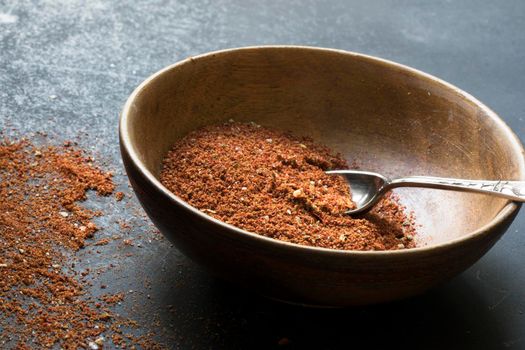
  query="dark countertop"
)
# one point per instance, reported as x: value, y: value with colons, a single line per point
x: 67, y: 67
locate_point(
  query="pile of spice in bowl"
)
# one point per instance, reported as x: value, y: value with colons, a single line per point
x: 274, y: 184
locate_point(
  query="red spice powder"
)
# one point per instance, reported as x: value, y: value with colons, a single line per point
x: 274, y: 184
x: 42, y: 303
x: 119, y: 196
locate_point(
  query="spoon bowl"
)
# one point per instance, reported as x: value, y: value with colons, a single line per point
x: 366, y: 188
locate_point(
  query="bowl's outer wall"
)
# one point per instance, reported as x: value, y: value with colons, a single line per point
x: 390, y: 119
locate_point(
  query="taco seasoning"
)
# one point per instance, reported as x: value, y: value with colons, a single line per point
x: 274, y: 184
x: 44, y: 299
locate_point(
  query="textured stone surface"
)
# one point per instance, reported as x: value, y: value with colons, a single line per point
x: 66, y: 68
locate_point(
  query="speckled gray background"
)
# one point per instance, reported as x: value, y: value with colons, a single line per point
x: 66, y: 68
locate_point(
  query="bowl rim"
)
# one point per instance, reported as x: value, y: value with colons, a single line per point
x: 505, y: 213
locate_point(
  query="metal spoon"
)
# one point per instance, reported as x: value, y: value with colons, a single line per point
x: 368, y: 187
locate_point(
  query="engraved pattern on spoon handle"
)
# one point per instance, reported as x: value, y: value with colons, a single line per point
x: 514, y: 190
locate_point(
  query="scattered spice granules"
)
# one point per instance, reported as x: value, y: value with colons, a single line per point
x: 113, y: 298
x: 119, y: 196
x: 103, y: 241
x: 274, y: 184
x: 42, y: 303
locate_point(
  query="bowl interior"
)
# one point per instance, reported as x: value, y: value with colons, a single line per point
x: 387, y: 118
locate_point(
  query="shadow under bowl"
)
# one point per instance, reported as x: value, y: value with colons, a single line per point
x: 390, y: 118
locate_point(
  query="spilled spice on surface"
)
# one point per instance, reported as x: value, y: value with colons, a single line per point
x: 274, y: 184
x: 42, y: 302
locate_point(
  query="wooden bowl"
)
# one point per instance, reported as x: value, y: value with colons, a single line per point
x: 390, y: 118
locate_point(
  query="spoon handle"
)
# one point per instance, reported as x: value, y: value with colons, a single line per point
x: 514, y: 190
